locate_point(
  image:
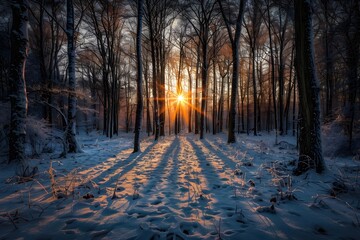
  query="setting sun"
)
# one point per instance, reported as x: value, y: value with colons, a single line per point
x: 180, y: 98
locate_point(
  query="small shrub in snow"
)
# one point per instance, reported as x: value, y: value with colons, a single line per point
x: 41, y: 137
x: 70, y: 184
x: 25, y: 173
x: 37, y: 134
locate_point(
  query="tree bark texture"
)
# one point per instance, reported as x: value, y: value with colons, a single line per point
x: 139, y: 97
x: 310, y: 155
x: 72, y: 143
x: 18, y: 97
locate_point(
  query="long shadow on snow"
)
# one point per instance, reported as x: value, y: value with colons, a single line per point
x: 151, y: 189
x: 159, y: 171
x: 122, y: 167
x: 225, y: 159
x: 206, y: 167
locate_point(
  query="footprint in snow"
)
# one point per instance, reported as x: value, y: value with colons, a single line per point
x: 188, y: 227
x: 173, y: 236
x: 156, y: 202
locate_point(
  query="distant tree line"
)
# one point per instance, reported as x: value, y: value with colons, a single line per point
x: 242, y: 66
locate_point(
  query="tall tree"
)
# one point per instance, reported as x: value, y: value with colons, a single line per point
x: 253, y: 28
x: 18, y: 98
x: 106, y: 23
x: 234, y: 40
x: 149, y: 20
x: 147, y: 95
x: 200, y: 16
x: 310, y: 154
x: 158, y: 17
x: 281, y: 34
x: 272, y: 64
x: 139, y: 97
x: 329, y: 58
x: 352, y: 60
x: 71, y: 140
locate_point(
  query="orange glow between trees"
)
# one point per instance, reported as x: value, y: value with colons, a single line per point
x: 180, y: 98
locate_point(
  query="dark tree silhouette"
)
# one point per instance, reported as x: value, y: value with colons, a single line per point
x: 310, y: 132
x: 139, y: 94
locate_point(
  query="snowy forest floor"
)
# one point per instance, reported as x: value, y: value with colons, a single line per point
x: 181, y: 188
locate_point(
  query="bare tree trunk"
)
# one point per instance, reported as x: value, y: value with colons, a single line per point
x: 254, y: 89
x: 221, y: 105
x: 294, y: 108
x: 310, y: 155
x: 235, y: 41
x: 43, y: 72
x: 352, y: 64
x: 268, y: 121
x: 248, y: 101
x: 196, y: 118
x: 178, y: 85
x: 154, y: 73
x: 261, y: 94
x: 139, y: 107
x: 227, y: 101
x: 204, y: 77
x: 190, y: 101
x: 214, y: 107
x: 146, y: 78
x: 281, y: 70
x: 289, y: 91
x: 18, y: 98
x: 161, y: 83
x: 329, y: 63
x: 272, y: 63
x: 72, y: 143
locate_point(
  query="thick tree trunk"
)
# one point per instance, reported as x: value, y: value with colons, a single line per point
x: 352, y: 64
x: 310, y: 155
x: 139, y: 97
x: 18, y: 98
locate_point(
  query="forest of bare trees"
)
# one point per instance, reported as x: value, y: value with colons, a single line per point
x: 196, y: 66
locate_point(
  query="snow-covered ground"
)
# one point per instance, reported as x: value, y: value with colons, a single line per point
x: 181, y: 188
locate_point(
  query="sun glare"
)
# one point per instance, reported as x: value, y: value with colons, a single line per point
x: 180, y: 98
